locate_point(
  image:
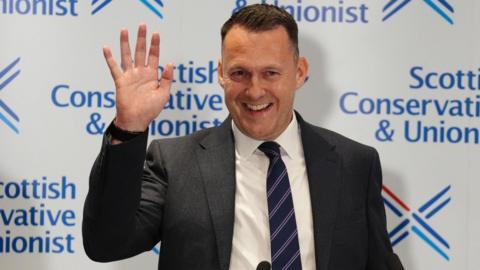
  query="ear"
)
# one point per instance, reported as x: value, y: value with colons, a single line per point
x: 302, y: 71
x: 220, y: 73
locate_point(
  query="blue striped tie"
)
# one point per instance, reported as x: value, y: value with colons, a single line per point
x: 283, y: 228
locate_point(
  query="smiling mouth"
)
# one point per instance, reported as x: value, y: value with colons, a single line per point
x: 257, y: 107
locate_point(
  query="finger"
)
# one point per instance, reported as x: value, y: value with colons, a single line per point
x: 112, y: 65
x: 125, y: 54
x: 167, y: 78
x: 140, y: 49
x: 154, y: 52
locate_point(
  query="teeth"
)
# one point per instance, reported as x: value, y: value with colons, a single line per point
x: 257, y: 107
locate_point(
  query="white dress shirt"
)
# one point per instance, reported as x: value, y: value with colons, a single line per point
x: 251, y: 231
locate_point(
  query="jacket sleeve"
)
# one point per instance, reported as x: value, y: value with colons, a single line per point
x: 380, y: 253
x: 124, y: 205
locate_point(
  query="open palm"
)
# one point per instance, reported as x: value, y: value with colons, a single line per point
x: 140, y: 95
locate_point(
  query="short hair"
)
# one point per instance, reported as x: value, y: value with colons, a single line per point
x: 263, y: 17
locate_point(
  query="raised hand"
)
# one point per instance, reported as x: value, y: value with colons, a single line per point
x: 140, y: 95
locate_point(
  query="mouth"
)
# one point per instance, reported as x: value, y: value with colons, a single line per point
x: 257, y: 107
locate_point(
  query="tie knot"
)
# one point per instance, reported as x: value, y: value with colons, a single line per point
x: 271, y: 149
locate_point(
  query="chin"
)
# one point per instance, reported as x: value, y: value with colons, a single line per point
x: 260, y: 135
x: 257, y: 131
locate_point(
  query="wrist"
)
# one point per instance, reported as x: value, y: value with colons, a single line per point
x: 131, y: 126
x: 120, y: 134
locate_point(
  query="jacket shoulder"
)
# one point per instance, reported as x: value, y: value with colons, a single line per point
x: 342, y: 143
x: 183, y: 146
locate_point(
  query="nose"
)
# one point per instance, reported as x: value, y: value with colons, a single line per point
x: 255, y: 89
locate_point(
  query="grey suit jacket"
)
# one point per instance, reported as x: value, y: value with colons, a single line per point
x: 181, y: 192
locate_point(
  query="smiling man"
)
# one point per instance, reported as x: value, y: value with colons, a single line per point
x: 265, y: 186
x: 260, y: 71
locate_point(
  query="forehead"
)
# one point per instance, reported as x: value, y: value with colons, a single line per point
x: 242, y: 43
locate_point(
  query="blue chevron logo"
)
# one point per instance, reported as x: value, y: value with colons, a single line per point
x: 99, y: 6
x: 416, y: 221
x: 7, y: 75
x: 152, y: 5
x: 441, y: 7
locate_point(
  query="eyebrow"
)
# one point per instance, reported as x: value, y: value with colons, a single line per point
x: 240, y: 66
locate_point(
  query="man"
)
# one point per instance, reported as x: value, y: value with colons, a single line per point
x: 212, y: 198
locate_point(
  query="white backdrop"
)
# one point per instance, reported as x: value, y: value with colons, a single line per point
x: 400, y: 75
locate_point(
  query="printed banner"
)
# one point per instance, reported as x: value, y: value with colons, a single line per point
x: 400, y: 75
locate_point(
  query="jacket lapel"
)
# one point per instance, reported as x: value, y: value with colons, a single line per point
x: 323, y: 170
x: 216, y: 159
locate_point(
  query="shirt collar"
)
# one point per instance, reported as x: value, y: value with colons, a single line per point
x: 289, y: 140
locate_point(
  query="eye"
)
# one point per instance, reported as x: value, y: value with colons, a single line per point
x: 238, y: 75
x: 272, y: 73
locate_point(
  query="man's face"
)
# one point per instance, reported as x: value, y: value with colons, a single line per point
x: 260, y: 74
